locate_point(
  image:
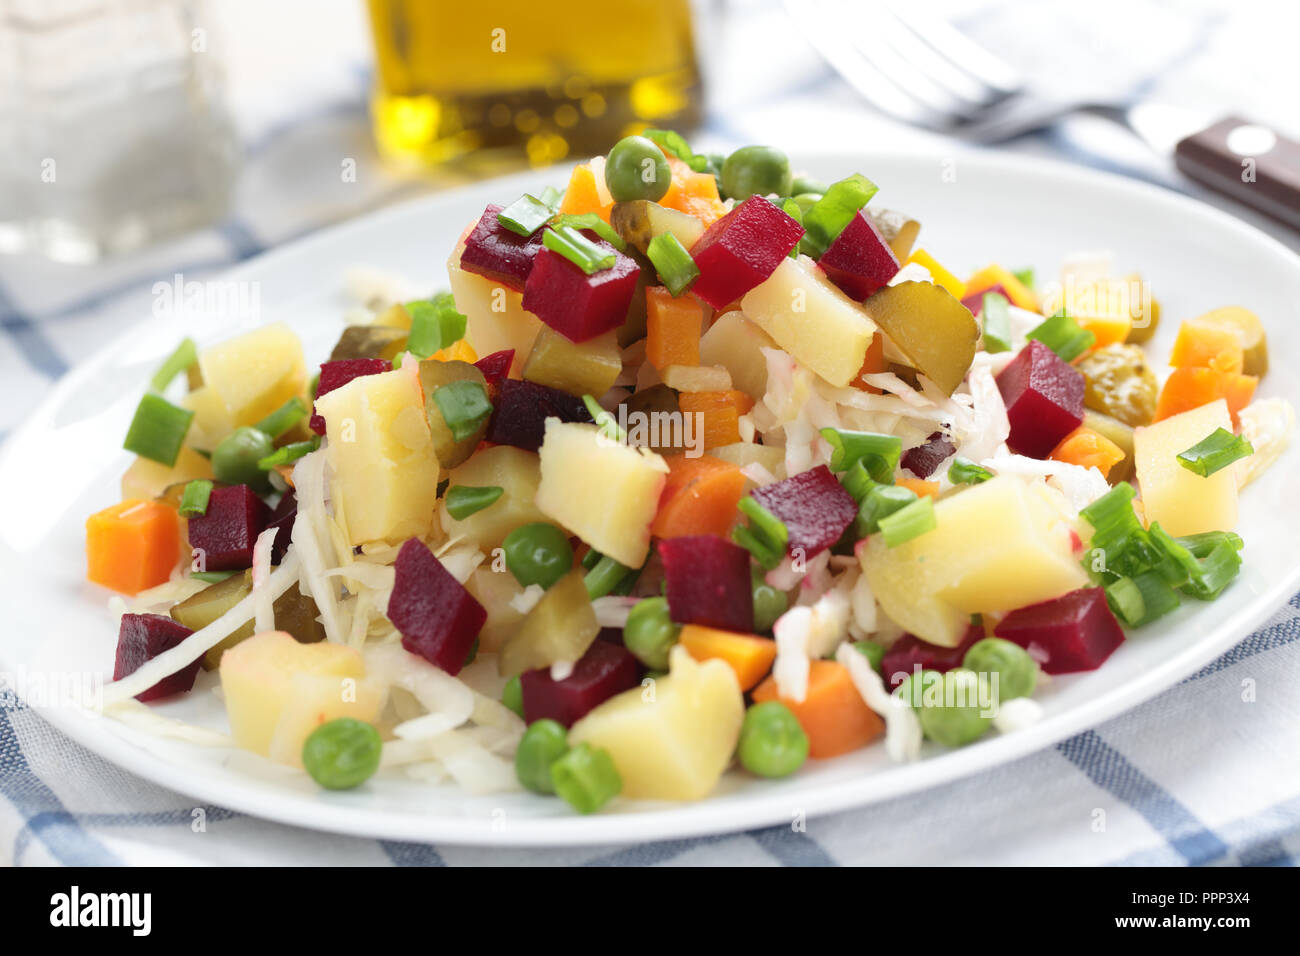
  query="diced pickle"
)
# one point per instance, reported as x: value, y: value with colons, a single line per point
x: 633, y: 328
x: 394, y: 317
x: 657, y: 407
x: 898, y: 229
x: 434, y: 374
x: 294, y: 613
x: 639, y: 220
x: 369, y: 341
x: 1120, y: 434
x: 1147, y: 319
x: 587, y: 368
x: 1119, y: 383
x: 1247, y: 327
x: 560, y: 628
x: 935, y: 331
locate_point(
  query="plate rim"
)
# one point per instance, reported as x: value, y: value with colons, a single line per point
x: 688, y: 819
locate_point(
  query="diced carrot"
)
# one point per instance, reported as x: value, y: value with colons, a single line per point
x: 873, y: 363
x: 1108, y: 329
x: 748, y: 655
x: 721, y: 413
x: 132, y: 545
x: 1088, y: 449
x: 700, y: 497
x: 583, y: 195
x: 1019, y: 293
x: 458, y: 351
x: 919, y: 486
x: 693, y: 193
x: 832, y: 713
x: 1188, y: 388
x: 940, y: 275
x: 1207, y: 346
x: 673, y: 328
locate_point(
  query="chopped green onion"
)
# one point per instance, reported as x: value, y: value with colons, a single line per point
x: 213, y: 577
x: 1215, y: 452
x: 604, y: 420
x: 997, y: 323
x: 186, y: 354
x: 578, y: 249
x: 194, y: 499
x: 835, y: 210
x: 287, y: 454
x: 963, y: 471
x: 1141, y: 599
x: 1174, y: 562
x: 464, y: 406
x: 879, y: 453
x: 589, y: 220
x: 1062, y: 335
x: 1118, y: 534
x: 765, y: 523
x: 605, y: 576
x: 158, y: 430
x: 464, y: 500
x: 525, y: 215
x: 672, y: 142
x: 764, y: 552
x: 1025, y: 277
x: 590, y: 558
x: 792, y: 209
x: 674, y: 264
x: 880, y: 502
x: 1218, y: 569
x: 1202, y: 544
x: 552, y: 196
x: 435, y: 324
x: 910, y: 521
x: 283, y: 418
x: 857, y: 482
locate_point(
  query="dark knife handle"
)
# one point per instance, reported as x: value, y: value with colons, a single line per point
x: 1249, y: 162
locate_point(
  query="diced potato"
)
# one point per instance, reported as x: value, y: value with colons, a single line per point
x: 278, y: 691
x: 604, y: 492
x: 697, y: 378
x: 1181, y: 500
x: 496, y: 318
x: 811, y: 319
x: 673, y: 740
x: 559, y: 628
x: 996, y: 546
x: 1249, y: 330
x: 747, y: 453
x: 587, y: 368
x: 735, y: 343
x: 495, y: 590
x: 638, y: 221
x: 934, y: 330
x: 148, y: 479
x: 212, y: 421
x: 255, y: 373
x: 385, y: 471
x: 517, y: 473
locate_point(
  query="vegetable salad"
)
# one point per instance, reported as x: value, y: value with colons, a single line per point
x: 699, y: 463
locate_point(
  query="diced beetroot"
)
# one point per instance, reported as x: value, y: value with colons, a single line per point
x: 924, y: 459
x: 975, y: 301
x: 281, y: 520
x: 1074, y: 632
x: 141, y: 638
x: 496, y: 366
x: 605, y: 670
x: 337, y: 374
x: 708, y: 582
x: 493, y: 251
x: 859, y: 261
x: 814, y: 506
x: 577, y: 305
x: 742, y: 249
x: 438, y: 619
x: 521, y: 409
x: 614, y: 635
x: 1044, y: 399
x: 224, y: 536
x: 909, y: 653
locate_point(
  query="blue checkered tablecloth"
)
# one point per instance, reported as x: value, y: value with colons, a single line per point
x: 1206, y: 773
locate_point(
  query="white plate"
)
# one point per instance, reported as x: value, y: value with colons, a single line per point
x: 64, y: 464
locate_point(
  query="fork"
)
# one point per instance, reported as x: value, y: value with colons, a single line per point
x: 920, y: 70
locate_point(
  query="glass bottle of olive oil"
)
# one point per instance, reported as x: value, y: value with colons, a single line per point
x: 506, y: 81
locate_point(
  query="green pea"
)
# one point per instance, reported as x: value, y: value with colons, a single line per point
x: 772, y: 743
x: 544, y: 742
x: 756, y: 171
x: 1017, y: 672
x: 949, y: 708
x: 650, y: 632
x: 769, y: 604
x: 342, y: 753
x: 234, y: 460
x: 538, y: 553
x: 512, y: 695
x: 586, y: 778
x: 873, y: 652
x: 807, y: 184
x: 637, y: 169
